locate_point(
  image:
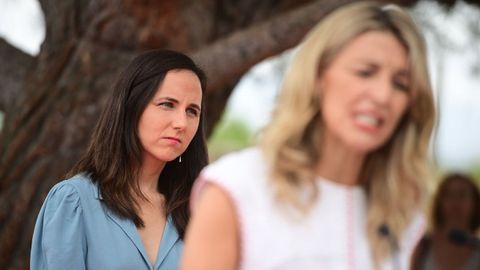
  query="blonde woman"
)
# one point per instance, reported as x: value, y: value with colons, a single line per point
x: 339, y: 177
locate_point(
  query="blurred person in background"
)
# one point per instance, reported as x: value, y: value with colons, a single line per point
x: 125, y: 205
x: 339, y: 178
x: 451, y: 244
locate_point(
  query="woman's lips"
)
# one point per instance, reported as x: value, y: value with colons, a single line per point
x: 368, y: 121
x: 173, y: 140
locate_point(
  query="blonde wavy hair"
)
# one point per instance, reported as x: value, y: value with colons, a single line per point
x: 395, y: 175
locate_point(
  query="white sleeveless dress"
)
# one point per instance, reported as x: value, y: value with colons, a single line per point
x: 332, y: 235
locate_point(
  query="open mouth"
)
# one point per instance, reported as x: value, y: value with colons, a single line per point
x: 369, y: 120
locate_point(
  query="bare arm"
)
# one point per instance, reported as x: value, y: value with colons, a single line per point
x: 212, y: 240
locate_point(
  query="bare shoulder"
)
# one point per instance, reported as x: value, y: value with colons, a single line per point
x: 212, y: 230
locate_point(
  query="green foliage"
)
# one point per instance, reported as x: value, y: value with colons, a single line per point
x: 475, y: 172
x: 229, y: 135
x: 1, y: 120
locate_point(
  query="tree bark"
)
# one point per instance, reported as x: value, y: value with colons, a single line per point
x: 14, y: 68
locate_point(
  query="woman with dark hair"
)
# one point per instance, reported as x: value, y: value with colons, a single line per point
x: 125, y: 205
x: 455, y: 219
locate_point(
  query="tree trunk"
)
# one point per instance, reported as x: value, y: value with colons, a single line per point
x: 51, y: 102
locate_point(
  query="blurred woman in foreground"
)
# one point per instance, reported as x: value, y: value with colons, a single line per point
x: 338, y: 179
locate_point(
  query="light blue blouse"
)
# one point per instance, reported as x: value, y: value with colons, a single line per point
x: 75, y: 230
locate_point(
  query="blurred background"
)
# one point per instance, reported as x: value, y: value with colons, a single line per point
x: 453, y: 38
x: 69, y: 62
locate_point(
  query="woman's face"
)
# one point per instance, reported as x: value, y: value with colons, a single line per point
x: 170, y: 120
x: 457, y: 204
x: 365, y: 92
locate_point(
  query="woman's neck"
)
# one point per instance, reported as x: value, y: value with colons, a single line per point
x: 340, y: 164
x: 148, y: 176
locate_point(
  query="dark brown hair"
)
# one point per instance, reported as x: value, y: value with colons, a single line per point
x: 437, y: 214
x: 114, y: 155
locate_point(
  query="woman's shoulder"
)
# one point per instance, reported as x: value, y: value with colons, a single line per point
x: 243, y: 161
x: 237, y: 170
x: 239, y: 174
x: 71, y: 190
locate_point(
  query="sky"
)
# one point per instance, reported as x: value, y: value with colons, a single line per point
x: 457, y: 141
x: 22, y: 24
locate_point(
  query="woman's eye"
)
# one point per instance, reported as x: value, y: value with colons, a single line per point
x: 166, y: 104
x: 192, y: 112
x: 400, y: 85
x: 364, y: 73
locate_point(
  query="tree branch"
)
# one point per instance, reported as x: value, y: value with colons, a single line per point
x: 66, y: 22
x: 14, y: 68
x: 228, y: 59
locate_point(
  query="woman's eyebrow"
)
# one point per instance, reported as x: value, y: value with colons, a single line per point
x: 171, y: 99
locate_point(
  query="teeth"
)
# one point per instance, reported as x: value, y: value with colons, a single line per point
x: 368, y: 119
